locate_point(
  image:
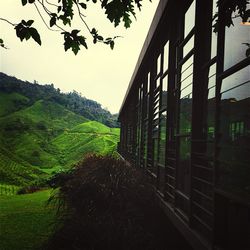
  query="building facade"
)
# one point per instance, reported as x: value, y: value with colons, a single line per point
x: 185, y: 119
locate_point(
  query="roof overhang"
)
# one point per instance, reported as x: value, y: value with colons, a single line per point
x: 157, y: 17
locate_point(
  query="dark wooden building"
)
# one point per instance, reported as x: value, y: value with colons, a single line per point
x: 185, y: 119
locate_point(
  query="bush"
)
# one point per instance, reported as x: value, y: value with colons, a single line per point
x: 35, y: 186
x: 29, y: 189
x: 106, y: 204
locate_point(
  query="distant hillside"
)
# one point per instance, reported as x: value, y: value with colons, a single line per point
x: 41, y: 137
x: 73, y: 101
x: 14, y: 170
x: 87, y: 137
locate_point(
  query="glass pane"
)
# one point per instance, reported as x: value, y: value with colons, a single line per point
x: 211, y: 114
x: 158, y: 82
x: 165, y: 83
x: 145, y: 146
x: 155, y: 143
x: 211, y: 93
x: 187, y: 72
x: 188, y: 46
x: 148, y: 83
x: 187, y: 91
x: 189, y: 19
x: 214, y: 35
x: 187, y: 82
x: 187, y: 64
x: 147, y: 105
x: 235, y: 37
x: 211, y: 108
x: 183, y: 170
x: 164, y: 94
x: 162, y: 142
x: 236, y: 79
x: 212, y: 70
x: 185, y: 115
x: 211, y: 81
x: 234, y: 157
x: 159, y: 64
x: 165, y: 60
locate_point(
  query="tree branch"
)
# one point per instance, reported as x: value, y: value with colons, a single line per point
x: 49, y: 14
x: 3, y: 19
x: 80, y: 15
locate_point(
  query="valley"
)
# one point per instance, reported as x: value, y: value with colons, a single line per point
x: 40, y: 137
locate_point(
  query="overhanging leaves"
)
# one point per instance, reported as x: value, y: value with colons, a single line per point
x: 24, y: 31
x: 73, y: 41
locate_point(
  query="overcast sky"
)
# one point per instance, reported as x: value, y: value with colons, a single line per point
x: 98, y: 73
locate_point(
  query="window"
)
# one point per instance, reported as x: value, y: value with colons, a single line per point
x: 214, y: 35
x: 189, y: 19
x: 184, y: 89
x: 162, y: 137
x: 234, y: 157
x: 235, y: 37
x: 211, y: 105
x: 165, y: 59
x: 159, y: 64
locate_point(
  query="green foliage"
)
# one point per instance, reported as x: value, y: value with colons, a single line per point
x: 85, y: 138
x: 11, y: 102
x: 2, y: 43
x: 6, y: 189
x: 26, y: 221
x: 25, y: 31
x: 63, y: 12
x: 14, y: 170
x: 73, y: 41
x: 40, y: 138
x: 106, y: 204
x: 72, y: 101
x: 230, y: 9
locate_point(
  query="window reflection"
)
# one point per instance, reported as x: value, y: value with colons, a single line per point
x: 164, y: 95
x: 211, y: 108
x: 214, y: 35
x: 237, y: 78
x: 184, y: 164
x: 189, y: 19
x: 185, y: 115
x: 186, y: 92
x: 162, y: 137
x: 188, y: 46
x: 234, y: 172
x: 148, y: 83
x: 159, y: 64
x: 145, y: 146
x: 235, y: 37
x: 155, y: 148
x: 186, y: 72
x: 165, y: 60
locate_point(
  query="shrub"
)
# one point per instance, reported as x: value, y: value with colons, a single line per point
x: 35, y: 186
x: 106, y: 204
x: 28, y: 189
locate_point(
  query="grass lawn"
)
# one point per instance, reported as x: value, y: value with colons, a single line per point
x: 25, y: 221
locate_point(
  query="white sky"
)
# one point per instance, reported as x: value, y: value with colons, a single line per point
x: 98, y: 73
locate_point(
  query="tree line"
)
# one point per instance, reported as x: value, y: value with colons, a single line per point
x: 73, y: 101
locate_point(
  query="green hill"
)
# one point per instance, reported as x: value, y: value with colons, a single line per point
x: 45, y: 137
x: 14, y: 170
x: 72, y: 101
x: 85, y: 138
x: 11, y: 102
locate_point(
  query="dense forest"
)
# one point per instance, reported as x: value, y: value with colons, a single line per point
x: 72, y: 101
